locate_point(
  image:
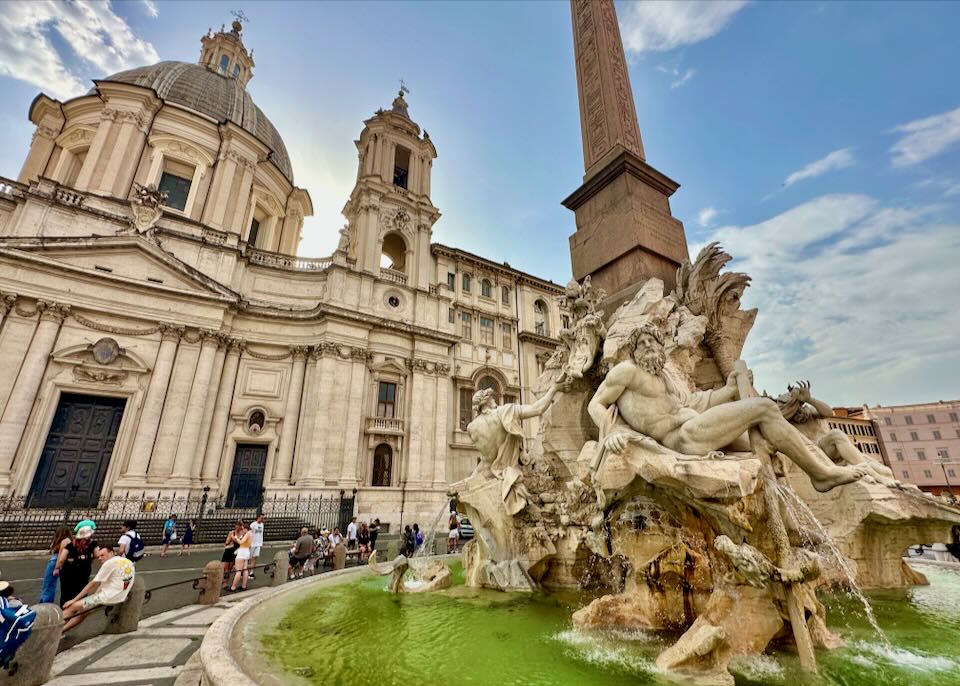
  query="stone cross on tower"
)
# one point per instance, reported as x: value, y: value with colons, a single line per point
x: 625, y: 230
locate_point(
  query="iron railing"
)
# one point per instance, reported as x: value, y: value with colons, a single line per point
x: 24, y: 526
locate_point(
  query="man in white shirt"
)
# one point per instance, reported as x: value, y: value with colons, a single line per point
x: 256, y: 527
x: 352, y: 534
x: 110, y: 586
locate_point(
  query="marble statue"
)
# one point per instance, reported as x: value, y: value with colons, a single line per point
x: 431, y: 574
x: 146, y: 206
x: 802, y: 410
x: 701, y: 422
x: 660, y: 475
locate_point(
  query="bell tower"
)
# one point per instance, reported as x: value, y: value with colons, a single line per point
x: 389, y: 214
x: 224, y: 53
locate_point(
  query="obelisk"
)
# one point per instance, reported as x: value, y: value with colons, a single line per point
x: 625, y: 230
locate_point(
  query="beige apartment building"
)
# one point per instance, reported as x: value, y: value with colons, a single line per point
x: 921, y: 443
x: 158, y: 332
x: 858, y: 428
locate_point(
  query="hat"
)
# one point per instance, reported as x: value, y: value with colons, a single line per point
x: 84, y: 528
x: 4, y: 585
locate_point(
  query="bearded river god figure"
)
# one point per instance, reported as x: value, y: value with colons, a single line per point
x: 655, y: 474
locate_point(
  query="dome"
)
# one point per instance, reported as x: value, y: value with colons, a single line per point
x: 219, y: 97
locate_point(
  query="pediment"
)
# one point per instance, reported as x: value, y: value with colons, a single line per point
x: 389, y: 366
x: 128, y: 259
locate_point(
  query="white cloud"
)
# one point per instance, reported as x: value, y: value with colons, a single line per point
x: 926, y: 138
x: 838, y: 159
x: 679, y: 78
x: 706, y: 216
x: 855, y: 296
x: 661, y: 25
x: 100, y: 39
x: 151, y: 8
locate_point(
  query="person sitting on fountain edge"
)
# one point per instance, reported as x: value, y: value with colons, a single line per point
x: 703, y: 423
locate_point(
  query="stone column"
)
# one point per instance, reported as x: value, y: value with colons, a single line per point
x: 153, y: 403
x: 441, y: 438
x: 41, y: 147
x: 190, y: 434
x: 107, y: 118
x: 291, y: 417
x: 324, y: 388
x: 174, y: 412
x: 352, y: 430
x: 415, y: 435
x: 308, y: 416
x: 17, y: 411
x: 15, y: 337
x: 196, y: 463
x: 221, y: 413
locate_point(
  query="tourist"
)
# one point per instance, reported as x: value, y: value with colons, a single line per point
x: 130, y: 545
x: 256, y: 526
x: 453, y: 538
x: 230, y: 546
x: 110, y: 586
x: 244, y: 540
x: 417, y: 537
x: 374, y: 532
x: 188, y: 537
x: 363, y: 541
x: 75, y: 561
x: 48, y: 592
x: 352, y: 534
x: 16, y: 622
x: 300, y: 552
x: 169, y: 534
x: 335, y: 539
x: 408, y: 542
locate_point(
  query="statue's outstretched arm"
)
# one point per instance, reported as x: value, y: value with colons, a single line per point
x: 538, y: 408
x: 610, y: 390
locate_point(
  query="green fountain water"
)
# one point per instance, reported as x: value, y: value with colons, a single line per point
x: 485, y: 638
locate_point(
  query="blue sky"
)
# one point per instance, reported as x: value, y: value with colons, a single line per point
x: 820, y: 142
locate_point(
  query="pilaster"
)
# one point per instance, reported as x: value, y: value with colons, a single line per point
x: 190, y: 433
x: 291, y: 418
x: 221, y: 413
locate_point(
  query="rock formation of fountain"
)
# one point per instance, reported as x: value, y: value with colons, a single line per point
x: 660, y: 475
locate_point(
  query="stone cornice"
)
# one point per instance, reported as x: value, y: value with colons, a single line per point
x: 515, y: 275
x: 624, y: 163
x: 538, y: 339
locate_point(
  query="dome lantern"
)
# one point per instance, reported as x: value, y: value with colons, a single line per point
x: 224, y: 53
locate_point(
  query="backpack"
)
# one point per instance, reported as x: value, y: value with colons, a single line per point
x: 135, y: 547
x: 419, y: 538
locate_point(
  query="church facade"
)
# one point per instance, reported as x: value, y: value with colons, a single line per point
x: 160, y: 335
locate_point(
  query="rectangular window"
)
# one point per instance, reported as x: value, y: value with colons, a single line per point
x: 927, y: 473
x: 466, y: 283
x: 466, y: 325
x: 893, y: 436
x: 506, y: 331
x: 906, y: 474
x: 486, y: 290
x: 887, y: 421
x: 950, y: 472
x: 254, y: 232
x: 953, y: 417
x: 177, y: 189
x: 466, y: 407
x: 943, y: 454
x: 921, y: 455
x: 451, y: 280
x: 936, y: 435
x: 931, y: 419
x: 387, y: 399
x: 909, y: 419
x: 505, y: 299
x: 899, y: 456
x: 486, y: 331
x: 451, y: 316
x: 565, y: 320
x: 914, y: 436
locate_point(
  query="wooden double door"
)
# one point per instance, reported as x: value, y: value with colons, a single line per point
x: 77, y: 451
x: 246, y: 479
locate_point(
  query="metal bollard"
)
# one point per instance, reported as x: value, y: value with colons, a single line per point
x: 211, y: 584
x: 281, y: 569
x: 126, y: 615
x: 34, y: 659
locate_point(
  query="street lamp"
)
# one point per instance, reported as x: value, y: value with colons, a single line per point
x: 943, y: 465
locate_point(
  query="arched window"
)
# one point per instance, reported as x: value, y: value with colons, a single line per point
x: 236, y: 70
x: 540, y: 318
x: 382, y: 465
x: 394, y: 252
x: 505, y: 295
x: 401, y: 167
x: 224, y: 63
x: 486, y: 289
x: 491, y: 383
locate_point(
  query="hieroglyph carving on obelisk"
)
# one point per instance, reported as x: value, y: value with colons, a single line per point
x: 607, y: 113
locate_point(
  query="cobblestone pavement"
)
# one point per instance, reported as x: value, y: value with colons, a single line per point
x: 157, y: 653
